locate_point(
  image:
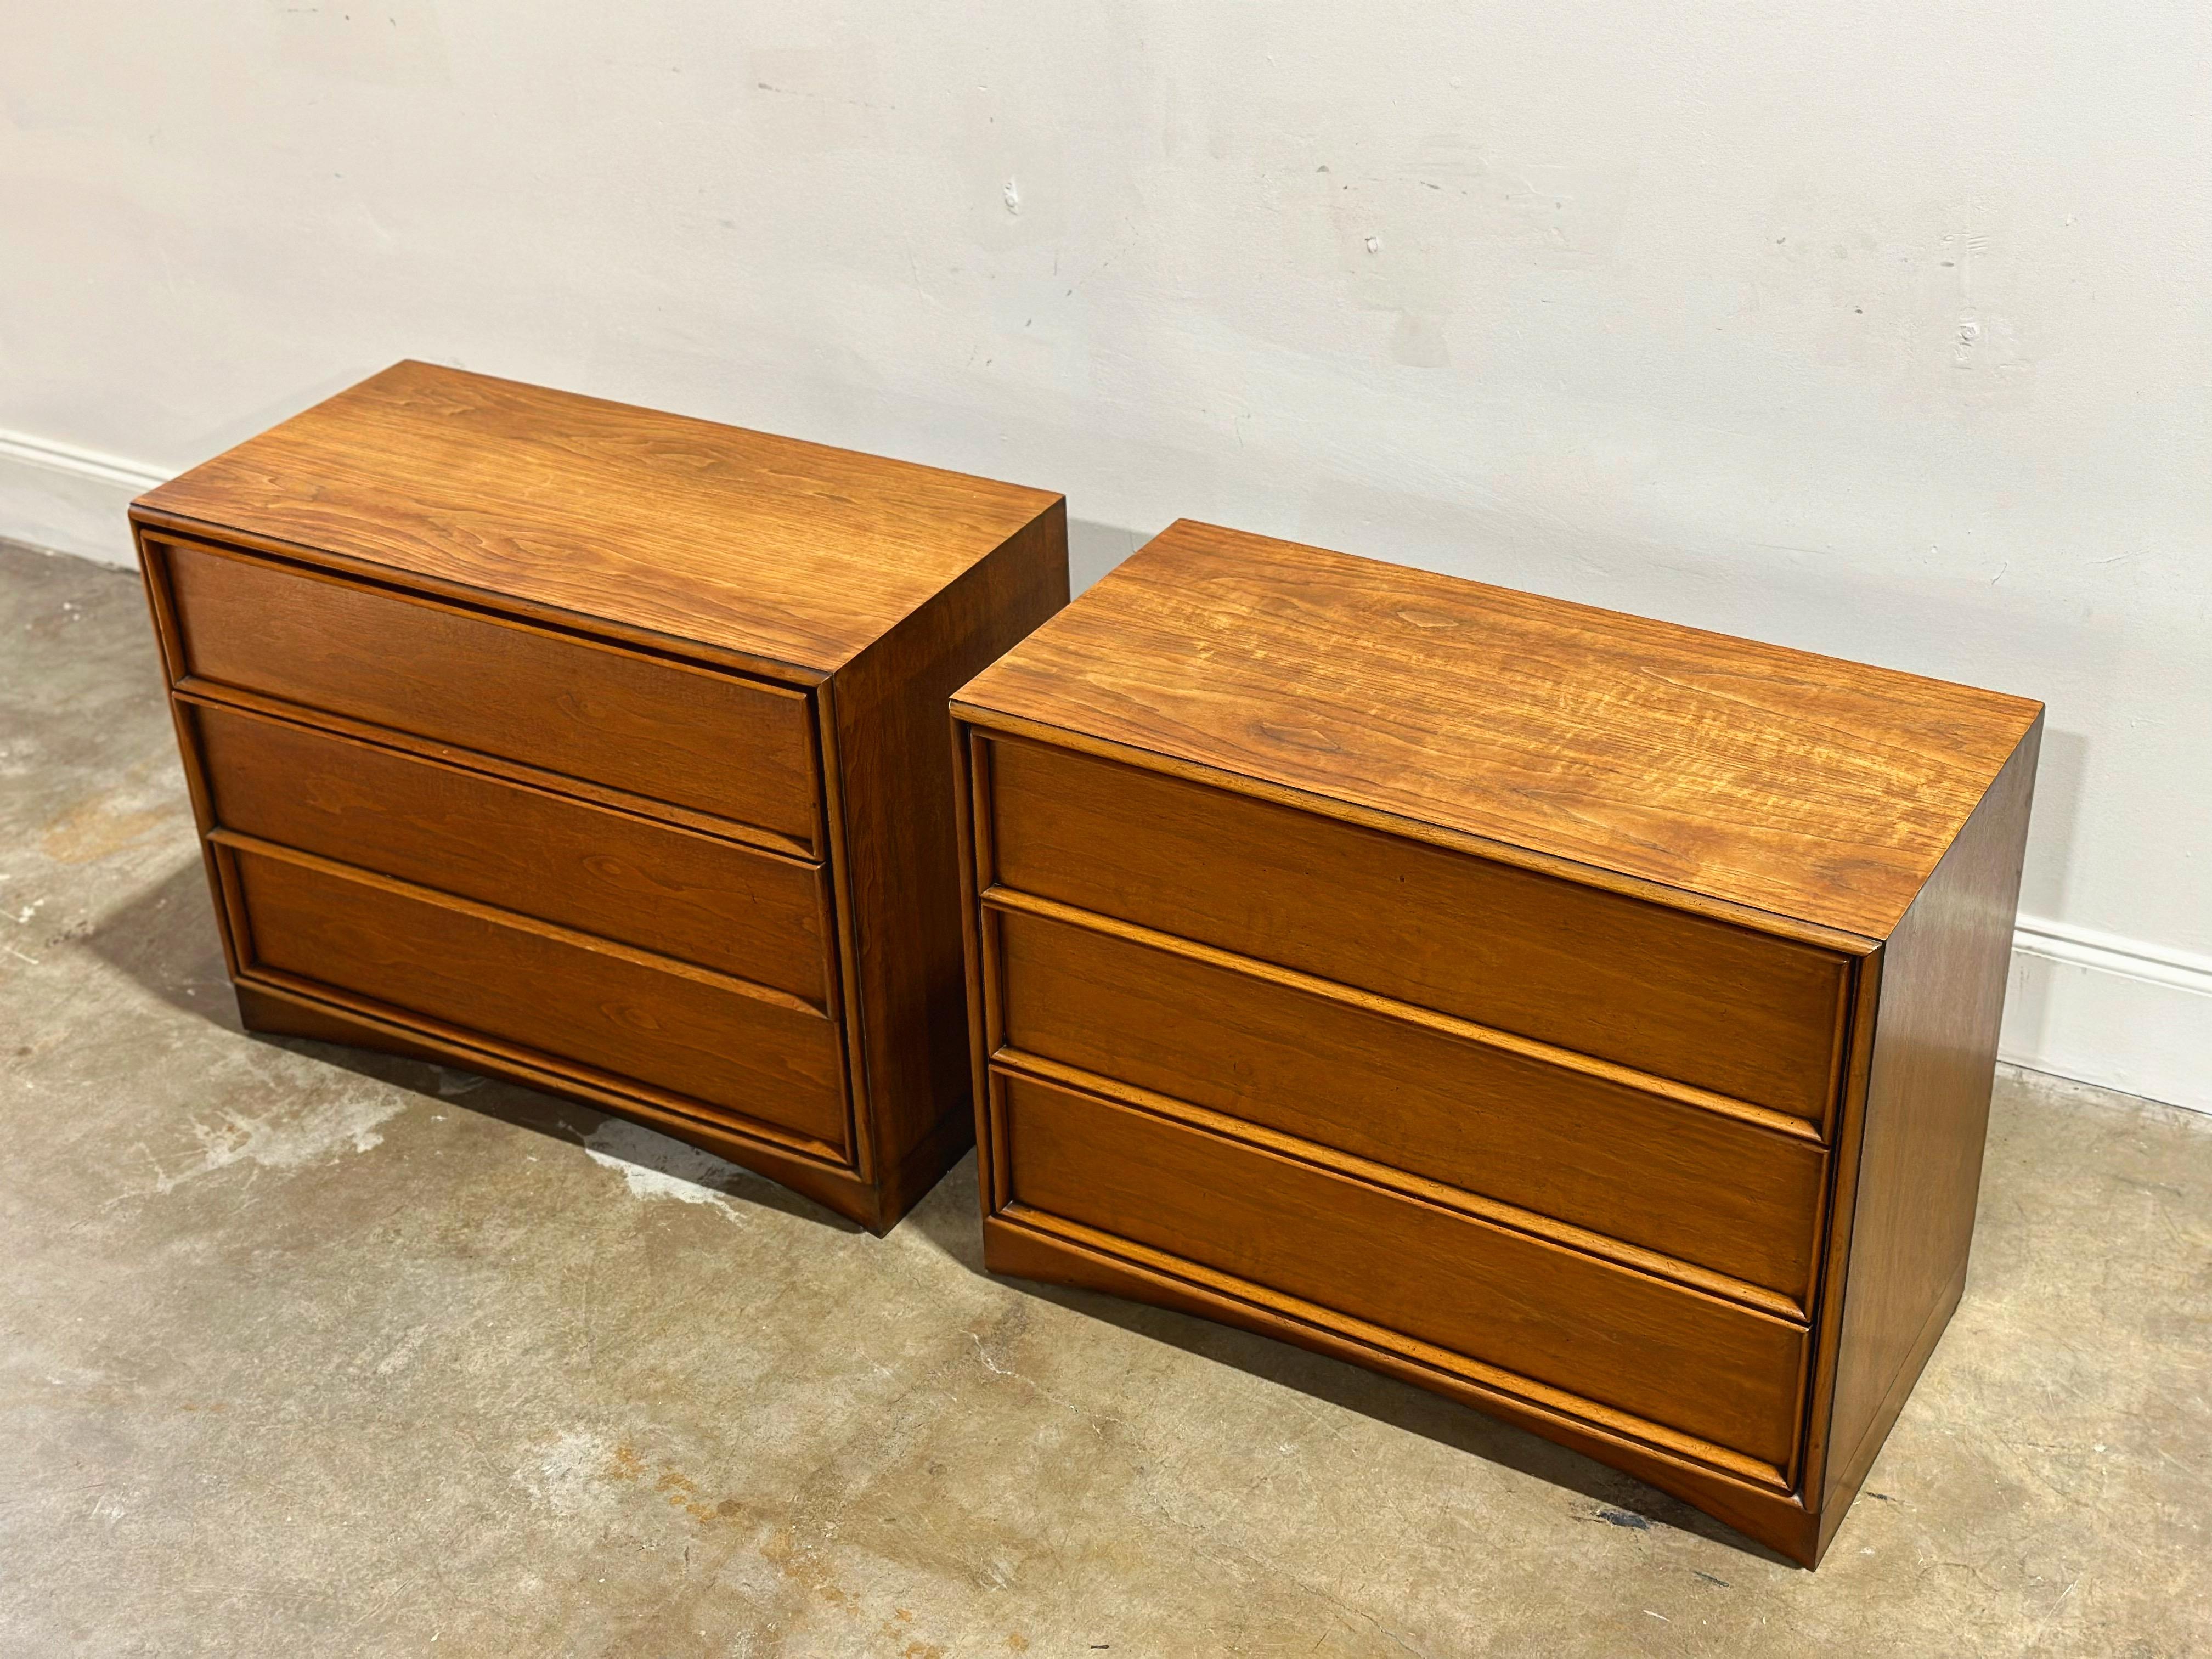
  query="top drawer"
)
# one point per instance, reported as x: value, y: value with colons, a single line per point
x: 1668, y: 992
x: 691, y: 737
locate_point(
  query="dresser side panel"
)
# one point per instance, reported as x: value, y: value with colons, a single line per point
x: 1933, y: 1066
x: 898, y: 839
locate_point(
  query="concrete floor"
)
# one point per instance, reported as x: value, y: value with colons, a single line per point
x: 310, y: 1351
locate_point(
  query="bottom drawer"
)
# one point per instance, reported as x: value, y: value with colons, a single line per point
x: 1721, y: 1373
x: 564, y: 994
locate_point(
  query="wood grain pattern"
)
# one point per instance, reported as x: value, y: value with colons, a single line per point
x: 563, y: 994
x: 902, y: 848
x: 791, y: 553
x: 1715, y: 1371
x: 327, y: 1015
x: 588, y: 716
x: 1731, y: 1489
x: 713, y: 902
x: 1720, y: 1006
x: 731, y: 747
x: 1623, y: 1162
x: 1931, y: 1071
x: 1789, y: 782
x: 1330, y: 922
x: 1835, y: 1245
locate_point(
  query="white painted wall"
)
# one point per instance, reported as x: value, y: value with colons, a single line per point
x: 1878, y: 330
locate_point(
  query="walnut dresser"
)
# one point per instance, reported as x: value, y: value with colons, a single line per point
x: 1590, y: 1018
x: 602, y: 750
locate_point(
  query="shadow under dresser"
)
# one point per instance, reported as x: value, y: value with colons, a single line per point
x: 599, y: 749
x: 1590, y: 1019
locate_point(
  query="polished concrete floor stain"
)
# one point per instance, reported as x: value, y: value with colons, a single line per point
x: 312, y: 1351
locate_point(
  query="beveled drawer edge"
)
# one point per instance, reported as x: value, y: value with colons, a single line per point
x: 550, y: 1071
x: 575, y: 631
x: 974, y: 859
x: 1450, y: 1026
x: 1524, y: 1391
x: 519, y: 921
x: 1830, y: 1268
x: 843, y: 941
x: 534, y: 780
x: 993, y: 725
x: 1671, y: 1271
x: 215, y: 693
x: 156, y: 524
x: 1754, y: 1506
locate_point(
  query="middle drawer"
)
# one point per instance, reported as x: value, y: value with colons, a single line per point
x: 1735, y: 1197
x: 722, y: 906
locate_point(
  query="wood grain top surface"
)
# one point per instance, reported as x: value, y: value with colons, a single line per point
x: 1803, y: 785
x: 791, y: 552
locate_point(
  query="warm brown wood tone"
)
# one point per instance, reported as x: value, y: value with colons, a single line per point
x: 1714, y: 1372
x: 1699, y: 1475
x: 600, y: 749
x: 1926, y: 1116
x: 672, y: 734
x: 1753, y: 775
x: 334, y: 1017
x: 1817, y: 789
x: 634, y: 523
x: 1589, y: 1149
x: 567, y: 994
x: 713, y: 903
x: 1721, y: 1006
x: 903, y: 853
x: 1588, y: 1019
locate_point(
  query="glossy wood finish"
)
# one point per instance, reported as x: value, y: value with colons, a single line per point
x: 713, y: 1040
x: 1714, y: 1372
x: 1587, y: 1148
x: 713, y: 902
x: 1925, y: 1119
x: 668, y: 732
x: 331, y: 1016
x: 1753, y: 775
x: 1721, y: 1006
x: 903, y: 851
x: 1729, y: 1488
x: 791, y: 557
x: 1495, y: 992
x: 582, y: 745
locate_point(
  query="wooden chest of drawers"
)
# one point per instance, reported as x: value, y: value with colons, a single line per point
x: 1590, y: 1019
x: 599, y: 749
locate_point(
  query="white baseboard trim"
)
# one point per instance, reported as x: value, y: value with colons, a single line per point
x: 2117, y: 1012
x: 68, y: 498
x: 2109, y: 953
x: 2091, y: 1006
x: 133, y: 476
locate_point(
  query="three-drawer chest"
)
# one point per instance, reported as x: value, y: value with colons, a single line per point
x: 599, y: 749
x: 1590, y: 1019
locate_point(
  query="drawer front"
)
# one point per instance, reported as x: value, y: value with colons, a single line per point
x: 711, y: 742
x: 1705, y: 1368
x: 1722, y: 1194
x: 713, y: 902
x: 1662, y: 991
x: 557, y: 994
